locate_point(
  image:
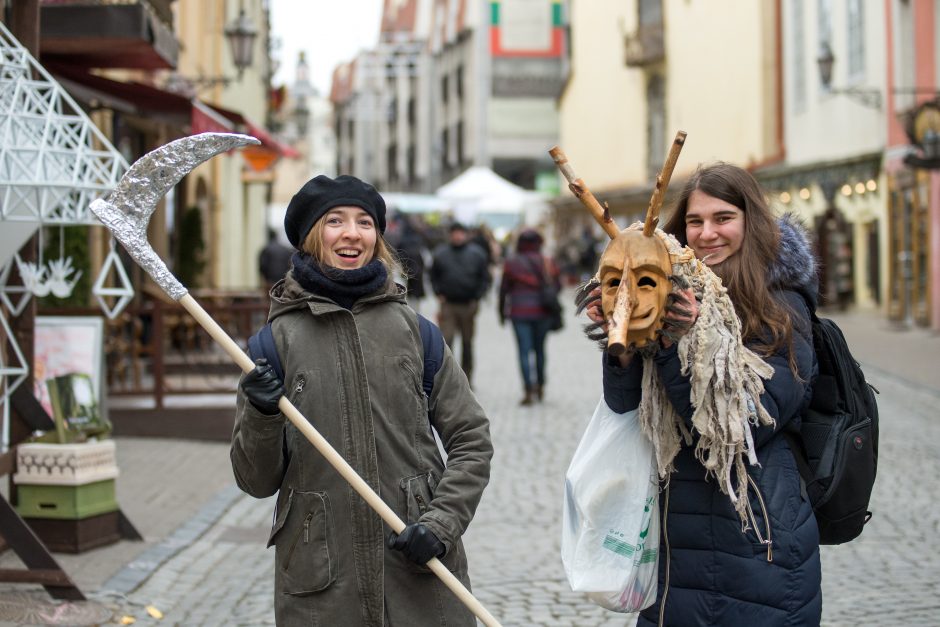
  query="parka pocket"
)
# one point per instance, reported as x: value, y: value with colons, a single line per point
x: 305, y: 549
x: 404, y: 395
x: 417, y: 494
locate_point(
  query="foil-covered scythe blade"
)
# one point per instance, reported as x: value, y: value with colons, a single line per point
x: 126, y: 211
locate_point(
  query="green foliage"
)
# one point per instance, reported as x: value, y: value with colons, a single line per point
x: 75, y: 246
x: 190, y: 249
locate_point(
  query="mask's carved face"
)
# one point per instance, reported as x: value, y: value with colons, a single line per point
x: 634, y: 274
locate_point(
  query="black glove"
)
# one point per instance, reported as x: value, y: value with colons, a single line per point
x: 417, y: 542
x: 262, y: 387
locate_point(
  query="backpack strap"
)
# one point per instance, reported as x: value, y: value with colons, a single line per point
x: 261, y: 344
x: 432, y: 341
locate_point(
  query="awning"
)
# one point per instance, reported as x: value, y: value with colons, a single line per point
x: 172, y: 108
x: 126, y: 97
x: 244, y: 125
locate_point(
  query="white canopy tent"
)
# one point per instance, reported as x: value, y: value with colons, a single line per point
x: 416, y: 203
x: 481, y: 195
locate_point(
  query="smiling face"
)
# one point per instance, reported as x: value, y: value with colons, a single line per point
x: 714, y: 228
x: 348, y: 238
x: 634, y: 272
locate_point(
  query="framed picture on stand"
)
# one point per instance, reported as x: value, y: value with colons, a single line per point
x: 69, y: 377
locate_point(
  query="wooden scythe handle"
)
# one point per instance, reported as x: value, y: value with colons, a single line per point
x: 662, y: 183
x: 581, y: 191
x: 334, y: 458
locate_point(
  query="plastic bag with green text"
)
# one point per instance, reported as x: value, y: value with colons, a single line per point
x: 610, y: 525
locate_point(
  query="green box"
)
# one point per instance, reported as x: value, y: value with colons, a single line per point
x: 70, y: 502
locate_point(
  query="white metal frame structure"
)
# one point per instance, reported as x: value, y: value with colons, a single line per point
x: 53, y: 162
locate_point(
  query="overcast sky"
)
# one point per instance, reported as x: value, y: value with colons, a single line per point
x: 330, y: 31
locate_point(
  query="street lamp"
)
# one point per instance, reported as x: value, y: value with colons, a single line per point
x: 241, y: 34
x: 868, y: 96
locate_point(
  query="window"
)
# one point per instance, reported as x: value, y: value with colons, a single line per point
x: 856, y: 37
x: 655, y: 125
x: 458, y: 79
x: 798, y: 56
x: 824, y: 28
x: 444, y: 89
x: 445, y: 148
x: 392, y: 163
x: 459, y: 146
x: 650, y: 12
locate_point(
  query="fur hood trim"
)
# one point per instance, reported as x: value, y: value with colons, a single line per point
x: 796, y: 266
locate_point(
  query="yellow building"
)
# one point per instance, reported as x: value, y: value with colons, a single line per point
x: 642, y: 70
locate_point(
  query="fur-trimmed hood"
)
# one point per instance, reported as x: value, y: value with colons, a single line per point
x: 796, y: 267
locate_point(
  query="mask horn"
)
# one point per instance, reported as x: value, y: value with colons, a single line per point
x: 662, y: 183
x: 581, y: 191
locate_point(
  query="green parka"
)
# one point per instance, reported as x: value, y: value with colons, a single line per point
x: 356, y: 375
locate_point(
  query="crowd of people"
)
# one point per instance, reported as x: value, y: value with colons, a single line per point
x: 345, y: 324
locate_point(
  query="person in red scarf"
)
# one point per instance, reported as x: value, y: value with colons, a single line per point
x: 524, y: 273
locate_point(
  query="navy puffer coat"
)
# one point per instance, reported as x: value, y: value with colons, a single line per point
x: 710, y: 572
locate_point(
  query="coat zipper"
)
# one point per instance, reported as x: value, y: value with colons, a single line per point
x: 665, y: 530
x: 760, y: 499
x: 290, y: 553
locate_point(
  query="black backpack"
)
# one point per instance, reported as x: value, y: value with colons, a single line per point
x: 837, y: 449
x: 261, y: 344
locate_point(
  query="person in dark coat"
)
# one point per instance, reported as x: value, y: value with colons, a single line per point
x: 460, y: 276
x: 352, y: 358
x: 520, y: 300
x: 410, y: 248
x: 711, y: 572
x: 273, y: 261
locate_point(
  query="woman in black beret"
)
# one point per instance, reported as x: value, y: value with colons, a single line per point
x: 353, y: 356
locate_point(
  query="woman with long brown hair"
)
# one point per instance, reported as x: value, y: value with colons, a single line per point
x: 713, y: 571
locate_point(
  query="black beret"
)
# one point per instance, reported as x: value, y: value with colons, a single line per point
x: 320, y: 194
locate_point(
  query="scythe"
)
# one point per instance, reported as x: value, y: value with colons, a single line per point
x: 126, y: 212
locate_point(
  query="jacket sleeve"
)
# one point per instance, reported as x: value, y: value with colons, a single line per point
x: 784, y: 394
x: 622, y: 386
x: 505, y: 284
x: 485, y: 278
x: 465, y: 433
x: 257, y: 451
x: 434, y: 272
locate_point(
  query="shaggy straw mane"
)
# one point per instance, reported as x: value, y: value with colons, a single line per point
x: 725, y: 376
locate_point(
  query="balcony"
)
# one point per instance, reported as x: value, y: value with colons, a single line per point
x: 645, y: 46
x: 114, y: 34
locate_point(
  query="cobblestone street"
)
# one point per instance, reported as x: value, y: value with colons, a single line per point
x: 211, y: 568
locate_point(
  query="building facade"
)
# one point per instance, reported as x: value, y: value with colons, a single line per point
x: 645, y: 69
x: 451, y: 84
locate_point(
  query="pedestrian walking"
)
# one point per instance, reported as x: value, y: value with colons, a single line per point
x: 273, y: 260
x: 411, y: 248
x: 352, y: 357
x: 716, y: 570
x: 520, y: 300
x: 460, y: 277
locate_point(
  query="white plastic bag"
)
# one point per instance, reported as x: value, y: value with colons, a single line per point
x: 610, y: 529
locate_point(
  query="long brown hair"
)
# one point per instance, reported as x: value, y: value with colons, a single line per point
x: 313, y: 246
x: 765, y: 322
